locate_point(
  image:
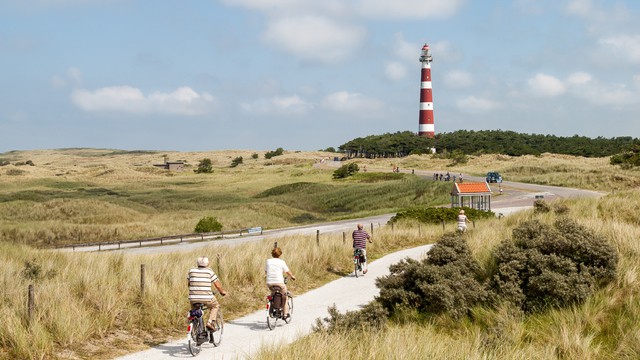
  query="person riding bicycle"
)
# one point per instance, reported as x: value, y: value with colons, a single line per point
x: 274, y: 270
x: 462, y: 221
x: 360, y: 238
x: 200, y: 281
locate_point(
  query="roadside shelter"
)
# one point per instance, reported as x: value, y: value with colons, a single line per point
x: 476, y: 195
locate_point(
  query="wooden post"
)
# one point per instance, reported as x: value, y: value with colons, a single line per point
x: 142, y: 271
x: 31, y: 304
x: 344, y: 238
x: 419, y: 229
x: 474, y: 224
x: 318, y: 237
x: 218, y: 256
x: 275, y: 244
x: 442, y: 225
x: 99, y: 246
x: 392, y: 228
x: 371, y: 229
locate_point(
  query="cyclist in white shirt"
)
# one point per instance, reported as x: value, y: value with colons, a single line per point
x: 275, y: 268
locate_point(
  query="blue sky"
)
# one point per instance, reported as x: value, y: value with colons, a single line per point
x: 306, y: 75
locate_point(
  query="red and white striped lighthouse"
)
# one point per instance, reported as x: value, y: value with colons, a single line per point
x: 426, y: 127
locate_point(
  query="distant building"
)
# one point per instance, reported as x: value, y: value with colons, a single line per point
x: 476, y: 195
x: 171, y: 165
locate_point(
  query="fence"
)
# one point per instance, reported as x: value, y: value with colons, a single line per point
x: 171, y: 239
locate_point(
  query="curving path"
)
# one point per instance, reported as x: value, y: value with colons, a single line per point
x: 243, y: 337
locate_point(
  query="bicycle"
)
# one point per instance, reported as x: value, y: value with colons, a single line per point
x: 198, y: 334
x: 358, y: 261
x: 275, y: 308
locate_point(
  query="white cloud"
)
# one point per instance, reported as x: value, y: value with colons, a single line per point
x: 636, y: 80
x: 395, y: 70
x: 546, y: 86
x: 343, y: 101
x: 284, y: 105
x: 625, y: 46
x: 408, y: 9
x: 314, y: 38
x: 616, y: 95
x: 473, y: 104
x: 458, y: 79
x: 580, y: 7
x: 579, y: 78
x: 127, y: 99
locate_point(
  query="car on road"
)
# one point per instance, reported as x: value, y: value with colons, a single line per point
x: 493, y: 177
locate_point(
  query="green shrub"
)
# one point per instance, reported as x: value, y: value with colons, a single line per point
x: 276, y: 152
x: 371, y: 317
x: 551, y: 266
x: 204, y: 167
x: 541, y: 207
x: 447, y: 281
x: 237, y: 161
x: 346, y: 170
x: 254, y: 156
x: 208, y: 224
x: 435, y: 215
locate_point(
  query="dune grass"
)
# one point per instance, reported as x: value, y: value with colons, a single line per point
x: 604, y: 327
x: 89, y: 305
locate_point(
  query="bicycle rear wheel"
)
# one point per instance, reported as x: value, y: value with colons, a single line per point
x: 356, y: 267
x: 216, y: 336
x: 192, y: 342
x: 271, y: 321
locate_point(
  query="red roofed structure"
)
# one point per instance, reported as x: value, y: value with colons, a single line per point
x: 476, y: 195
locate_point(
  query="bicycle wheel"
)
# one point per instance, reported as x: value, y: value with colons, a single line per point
x: 290, y: 303
x: 356, y: 266
x: 271, y: 321
x: 216, y: 336
x: 192, y: 341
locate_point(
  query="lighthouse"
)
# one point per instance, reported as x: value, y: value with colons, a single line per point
x: 425, y: 120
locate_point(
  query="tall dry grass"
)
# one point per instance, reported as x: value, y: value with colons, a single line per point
x: 89, y: 305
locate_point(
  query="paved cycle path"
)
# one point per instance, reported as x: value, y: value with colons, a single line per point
x: 243, y: 337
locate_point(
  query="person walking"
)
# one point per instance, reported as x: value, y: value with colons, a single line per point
x: 201, y: 279
x: 462, y: 221
x: 275, y: 268
x: 360, y: 237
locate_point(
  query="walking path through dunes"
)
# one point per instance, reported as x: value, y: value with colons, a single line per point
x: 243, y: 337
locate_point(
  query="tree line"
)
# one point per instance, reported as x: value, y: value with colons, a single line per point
x: 472, y: 142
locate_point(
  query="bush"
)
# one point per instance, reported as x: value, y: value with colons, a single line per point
x: 208, y: 224
x: 546, y: 266
x: 447, y: 281
x: 346, y: 170
x: 541, y: 207
x: 204, y: 167
x: 237, y: 161
x: 371, y: 316
x: 435, y: 215
x: 254, y: 156
x: 276, y: 152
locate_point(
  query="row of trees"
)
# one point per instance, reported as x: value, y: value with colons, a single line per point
x: 484, y: 142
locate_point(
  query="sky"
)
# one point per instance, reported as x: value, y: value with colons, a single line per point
x: 201, y: 75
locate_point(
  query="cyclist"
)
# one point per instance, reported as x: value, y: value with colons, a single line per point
x: 360, y: 238
x: 462, y: 221
x: 200, y: 281
x: 274, y: 270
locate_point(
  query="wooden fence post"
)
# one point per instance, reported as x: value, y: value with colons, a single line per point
x: 142, y: 275
x: 318, y: 237
x: 371, y: 229
x: 30, y: 304
x: 442, y: 225
x: 275, y: 244
x: 419, y: 229
x: 344, y: 238
x: 392, y: 228
x: 218, y: 256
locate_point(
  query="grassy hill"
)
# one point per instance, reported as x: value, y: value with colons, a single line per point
x: 90, y: 305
